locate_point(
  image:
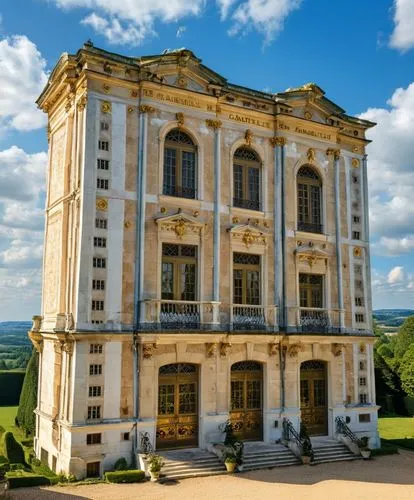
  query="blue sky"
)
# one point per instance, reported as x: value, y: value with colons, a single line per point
x: 361, y: 52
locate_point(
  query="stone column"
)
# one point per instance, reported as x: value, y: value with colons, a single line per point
x: 279, y: 236
x: 335, y: 153
x: 368, y: 291
x: 140, y: 225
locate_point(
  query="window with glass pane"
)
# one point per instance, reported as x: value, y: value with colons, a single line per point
x: 246, y: 279
x: 246, y: 179
x: 179, y: 272
x: 254, y: 394
x: 309, y: 200
x: 187, y: 398
x: 166, y: 394
x: 311, y: 290
x: 237, y: 394
x: 180, y: 158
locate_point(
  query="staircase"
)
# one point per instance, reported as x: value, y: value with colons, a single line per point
x: 328, y: 450
x: 180, y: 464
x: 262, y: 456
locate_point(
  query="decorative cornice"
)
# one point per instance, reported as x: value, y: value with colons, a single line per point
x: 336, y: 153
x: 215, y: 124
x: 146, y: 108
x: 277, y: 141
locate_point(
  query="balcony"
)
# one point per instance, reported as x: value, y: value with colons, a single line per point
x: 309, y: 227
x: 248, y: 204
x: 180, y: 314
x: 252, y: 317
x: 312, y: 319
x: 180, y: 192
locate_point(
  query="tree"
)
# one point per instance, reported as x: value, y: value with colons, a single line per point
x: 407, y: 371
x: 13, y: 449
x: 404, y: 339
x: 28, y: 396
x: 3, y: 365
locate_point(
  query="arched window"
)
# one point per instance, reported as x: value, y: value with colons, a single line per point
x: 309, y: 200
x: 246, y: 179
x: 180, y: 154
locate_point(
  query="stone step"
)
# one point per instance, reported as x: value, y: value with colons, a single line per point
x: 275, y: 458
x: 176, y: 468
x: 207, y: 461
x: 269, y: 464
x: 331, y: 450
x: 253, y: 454
x: 185, y: 475
x: 340, y: 459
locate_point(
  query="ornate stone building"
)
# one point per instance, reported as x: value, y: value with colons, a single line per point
x: 206, y: 258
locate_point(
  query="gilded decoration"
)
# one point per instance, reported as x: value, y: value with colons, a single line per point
x: 107, y: 68
x: 273, y: 348
x: 106, y: 88
x: 145, y: 108
x: 131, y: 109
x: 180, y: 119
x: 277, y: 141
x: 127, y: 224
x: 337, y: 349
x: 106, y: 107
x: 333, y: 152
x: 181, y: 225
x: 225, y: 348
x: 211, y: 350
x: 355, y: 162
x: 215, y: 124
x: 248, y: 235
x: 235, y: 220
x: 134, y: 93
x: 196, y: 213
x: 308, y: 115
x: 82, y: 102
x: 101, y: 204
x: 248, y: 137
x: 310, y: 254
x: 148, y: 350
x: 357, y: 252
x: 362, y: 348
x: 311, y: 155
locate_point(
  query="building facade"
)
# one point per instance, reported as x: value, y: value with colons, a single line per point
x: 206, y: 258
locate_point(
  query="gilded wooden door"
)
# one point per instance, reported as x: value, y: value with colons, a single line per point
x: 246, y: 395
x: 313, y: 397
x: 177, y: 422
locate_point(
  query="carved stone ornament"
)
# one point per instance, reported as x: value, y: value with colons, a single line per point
x: 211, y: 350
x: 127, y: 224
x: 277, y: 141
x: 106, y: 107
x: 311, y: 156
x: 308, y: 115
x: 294, y: 350
x: 357, y: 252
x: 37, y: 340
x: 337, y: 349
x: 106, y: 88
x: 362, y: 348
x: 310, y: 254
x: 146, y: 108
x: 333, y: 152
x: 148, y: 350
x: 181, y: 224
x: 180, y: 119
x: 215, y: 124
x: 273, y: 348
x: 355, y: 162
x: 68, y: 347
x: 37, y: 322
x: 107, y: 68
x: 134, y: 93
x: 58, y: 346
x: 249, y: 235
x: 70, y: 323
x: 224, y: 349
x: 248, y: 137
x: 101, y: 204
x: 131, y: 109
x: 82, y: 102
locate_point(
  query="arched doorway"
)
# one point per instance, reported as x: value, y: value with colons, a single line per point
x: 177, y: 421
x: 246, y: 400
x: 314, y: 397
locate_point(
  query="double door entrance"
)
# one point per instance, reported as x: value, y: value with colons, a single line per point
x: 177, y: 422
x: 246, y: 400
x: 313, y: 397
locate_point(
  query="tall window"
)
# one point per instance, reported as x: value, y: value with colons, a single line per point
x: 246, y: 179
x: 309, y: 201
x: 179, y: 272
x: 180, y: 155
x: 246, y: 279
x: 311, y: 290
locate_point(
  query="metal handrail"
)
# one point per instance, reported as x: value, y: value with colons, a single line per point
x: 145, y: 443
x: 291, y: 434
x: 342, y: 428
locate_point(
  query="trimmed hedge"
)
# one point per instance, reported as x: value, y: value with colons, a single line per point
x: 28, y: 396
x: 121, y: 464
x: 10, y: 387
x: 26, y: 481
x: 13, y: 449
x: 125, y: 476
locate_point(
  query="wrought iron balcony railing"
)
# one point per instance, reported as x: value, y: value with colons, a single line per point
x: 312, y: 319
x: 249, y: 204
x: 252, y: 317
x: 179, y: 191
x: 180, y: 314
x: 310, y: 227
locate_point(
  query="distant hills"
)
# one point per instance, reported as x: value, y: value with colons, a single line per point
x: 391, y: 317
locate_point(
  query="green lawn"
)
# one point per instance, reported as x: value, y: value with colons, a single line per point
x: 398, y: 431
x: 7, y: 414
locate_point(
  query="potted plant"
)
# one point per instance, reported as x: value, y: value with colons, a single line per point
x: 363, y: 448
x: 155, y: 464
x: 230, y: 463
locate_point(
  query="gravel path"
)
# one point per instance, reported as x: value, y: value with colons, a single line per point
x: 389, y: 477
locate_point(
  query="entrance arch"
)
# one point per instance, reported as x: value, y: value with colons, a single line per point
x: 177, y: 421
x: 246, y: 400
x: 314, y: 397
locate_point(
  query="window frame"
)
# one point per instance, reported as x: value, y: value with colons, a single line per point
x: 177, y: 262
x: 309, y: 287
x: 245, y: 269
x: 245, y: 201
x: 314, y: 223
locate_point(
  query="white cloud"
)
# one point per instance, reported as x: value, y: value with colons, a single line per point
x: 22, y: 78
x: 132, y: 21
x: 396, y: 275
x: 391, y: 172
x: 180, y: 31
x: 402, y: 37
